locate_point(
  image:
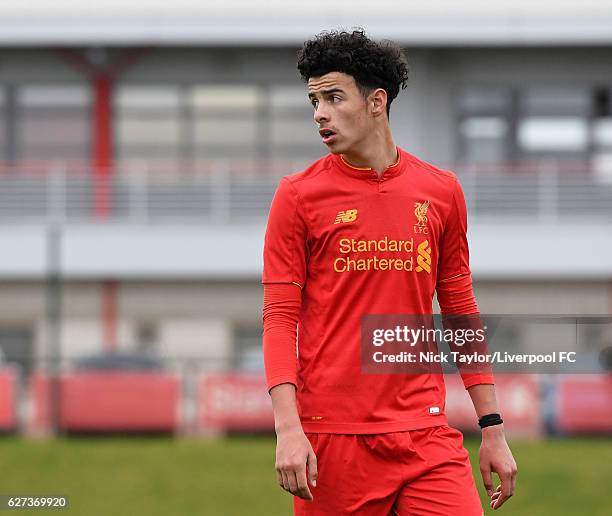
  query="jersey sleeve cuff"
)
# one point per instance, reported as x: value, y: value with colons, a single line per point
x: 278, y: 380
x: 469, y: 380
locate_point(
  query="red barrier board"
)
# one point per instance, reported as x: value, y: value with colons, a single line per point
x: 584, y: 404
x: 8, y: 396
x: 131, y: 401
x: 109, y: 401
x: 234, y: 401
x: 241, y: 402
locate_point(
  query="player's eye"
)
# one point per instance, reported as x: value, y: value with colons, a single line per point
x: 314, y: 102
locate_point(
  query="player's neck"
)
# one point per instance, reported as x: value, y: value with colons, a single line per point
x: 377, y: 152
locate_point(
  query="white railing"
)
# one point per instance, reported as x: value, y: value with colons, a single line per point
x: 227, y: 192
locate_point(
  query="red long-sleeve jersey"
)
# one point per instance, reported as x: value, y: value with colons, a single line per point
x: 358, y: 244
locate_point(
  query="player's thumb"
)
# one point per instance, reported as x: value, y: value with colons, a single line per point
x: 312, y: 468
x: 487, y: 480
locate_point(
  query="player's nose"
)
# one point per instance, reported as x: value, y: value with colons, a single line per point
x: 321, y: 115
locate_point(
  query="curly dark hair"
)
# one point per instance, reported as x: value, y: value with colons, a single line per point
x: 372, y: 65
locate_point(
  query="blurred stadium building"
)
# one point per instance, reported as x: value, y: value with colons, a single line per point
x: 141, y: 143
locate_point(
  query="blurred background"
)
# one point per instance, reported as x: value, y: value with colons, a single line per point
x: 140, y: 145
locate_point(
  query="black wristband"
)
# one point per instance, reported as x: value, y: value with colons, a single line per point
x: 490, y: 420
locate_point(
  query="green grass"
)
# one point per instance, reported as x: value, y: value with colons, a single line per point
x: 158, y: 476
x: 557, y: 477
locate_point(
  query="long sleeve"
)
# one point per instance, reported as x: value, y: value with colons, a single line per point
x: 285, y: 257
x: 282, y: 302
x: 454, y: 285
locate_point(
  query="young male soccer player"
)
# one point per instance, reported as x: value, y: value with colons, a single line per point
x: 368, y: 444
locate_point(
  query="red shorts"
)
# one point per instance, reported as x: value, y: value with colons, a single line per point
x: 423, y: 472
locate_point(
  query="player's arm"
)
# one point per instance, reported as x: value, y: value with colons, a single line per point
x: 456, y: 297
x: 494, y: 454
x: 284, y: 274
x: 295, y: 458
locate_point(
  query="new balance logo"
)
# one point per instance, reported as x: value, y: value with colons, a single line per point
x: 346, y: 216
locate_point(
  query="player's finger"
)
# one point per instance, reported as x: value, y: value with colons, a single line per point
x: 279, y: 478
x: 506, y: 483
x: 495, y: 496
x: 292, y: 481
x: 302, y: 484
x: 506, y: 490
x: 514, y: 475
x: 485, y: 471
x: 496, y: 504
x: 312, y: 468
x: 497, y: 500
x: 285, y: 484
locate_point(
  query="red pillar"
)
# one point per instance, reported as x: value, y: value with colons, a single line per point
x: 102, y: 173
x: 102, y: 160
x: 109, y: 314
x: 102, y: 144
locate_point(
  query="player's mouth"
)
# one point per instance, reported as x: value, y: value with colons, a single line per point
x: 327, y: 135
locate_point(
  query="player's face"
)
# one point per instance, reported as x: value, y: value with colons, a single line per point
x: 340, y: 111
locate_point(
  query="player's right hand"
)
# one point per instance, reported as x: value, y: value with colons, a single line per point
x: 295, y: 461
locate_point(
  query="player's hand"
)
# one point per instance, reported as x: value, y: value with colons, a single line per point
x: 495, y: 456
x: 295, y: 459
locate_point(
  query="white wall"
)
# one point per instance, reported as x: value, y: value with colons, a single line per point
x: 498, y: 250
x: 197, y: 339
x: 290, y: 21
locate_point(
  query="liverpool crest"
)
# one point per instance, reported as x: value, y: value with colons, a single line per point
x: 420, y: 212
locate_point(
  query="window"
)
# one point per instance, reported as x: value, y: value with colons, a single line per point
x: 293, y: 132
x: 602, y: 132
x: 53, y: 121
x: 225, y: 120
x: 554, y: 122
x: 213, y: 121
x: 484, y: 129
x: 484, y: 138
x: 3, y: 153
x: 553, y: 134
x: 16, y: 346
x: 543, y: 121
x: 147, y: 337
x: 483, y: 99
x: 248, y: 351
x: 602, y: 135
x: 147, y: 122
x: 553, y: 100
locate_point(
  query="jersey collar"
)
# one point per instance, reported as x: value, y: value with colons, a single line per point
x: 367, y: 172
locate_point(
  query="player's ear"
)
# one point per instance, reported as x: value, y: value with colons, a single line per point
x: 378, y: 101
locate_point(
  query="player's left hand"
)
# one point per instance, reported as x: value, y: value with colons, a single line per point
x: 495, y: 456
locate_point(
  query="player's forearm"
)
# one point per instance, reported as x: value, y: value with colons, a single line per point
x: 460, y: 311
x: 485, y: 402
x: 284, y: 405
x: 280, y: 314
x: 484, y: 399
